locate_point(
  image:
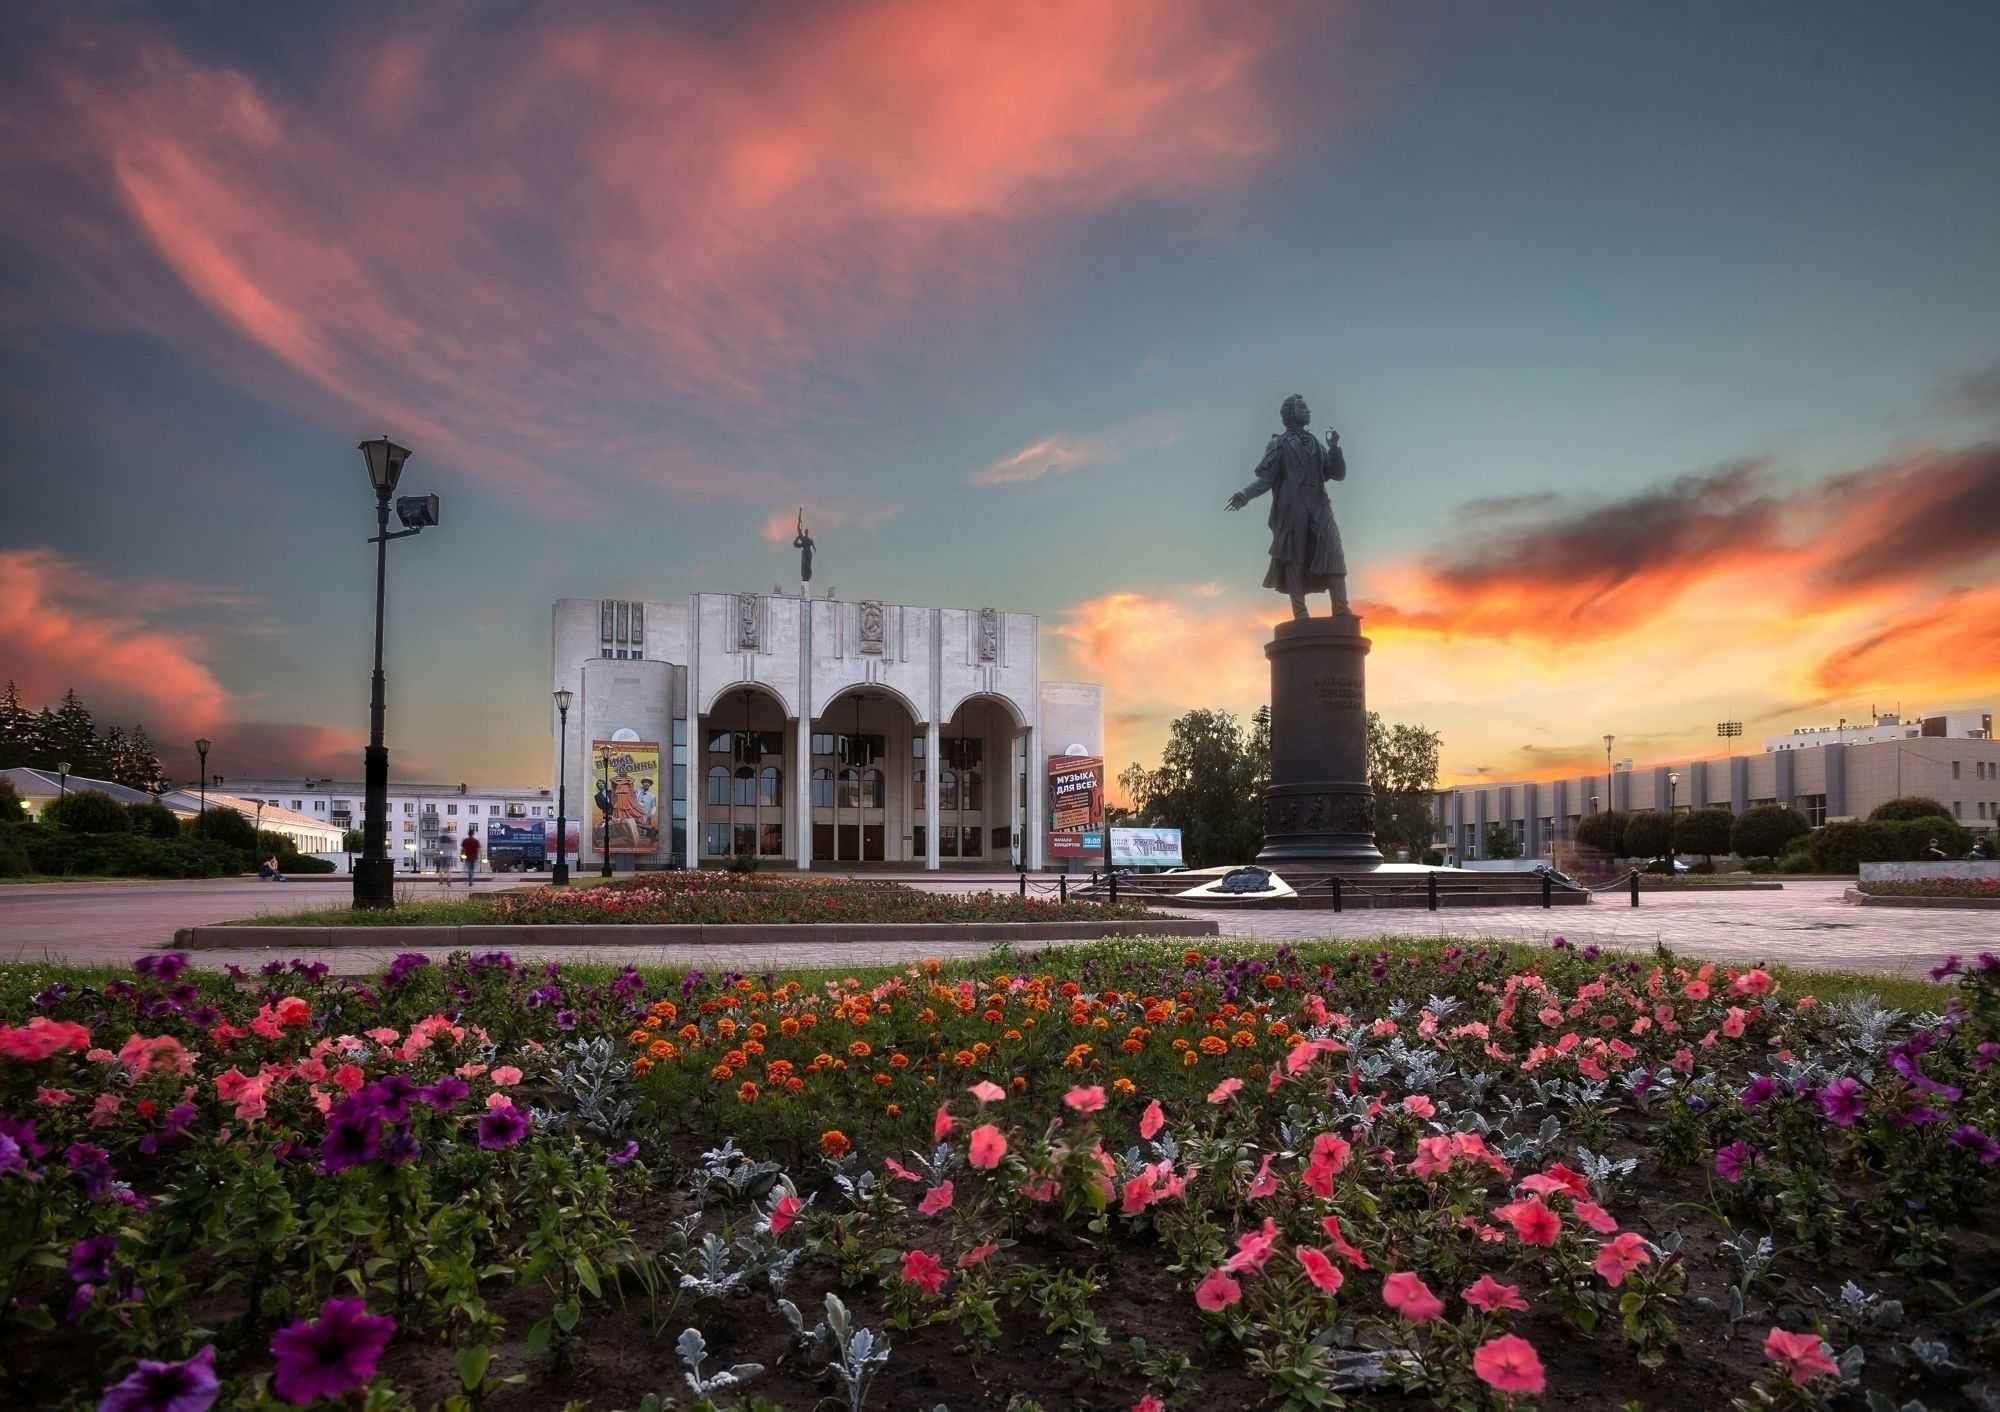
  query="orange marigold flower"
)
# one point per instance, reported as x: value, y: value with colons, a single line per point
x: 882, y: 1080
x: 1125, y: 1086
x: 1190, y: 1059
x: 1277, y: 1029
x: 899, y: 1061
x: 637, y: 1038
x: 788, y: 1027
x: 665, y: 1009
x: 751, y: 1046
x: 965, y: 1058
x: 660, y: 1049
x: 1272, y: 980
x: 1191, y: 958
x: 994, y: 1017
x: 1019, y: 1083
x: 642, y: 1065
x: 794, y: 1085
x: 759, y: 1030
x: 1012, y: 1036
x: 1243, y: 1039
x: 833, y: 1142
x: 859, y: 1049
x: 746, y: 1092
x: 1213, y: 1044
x: 735, y: 1059
x: 1133, y: 1046
x: 722, y: 1073
x: 691, y: 1034
x: 894, y: 1110
x: 981, y: 1048
x: 808, y: 1020
x: 651, y: 1022
x: 726, y: 1027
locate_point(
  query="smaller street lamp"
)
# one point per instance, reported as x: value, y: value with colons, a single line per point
x: 605, y: 871
x: 560, y: 873
x: 62, y: 785
x: 201, y: 749
x: 1673, y: 787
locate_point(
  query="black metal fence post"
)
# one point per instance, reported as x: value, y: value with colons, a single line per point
x: 1635, y: 887
x: 1548, y: 892
x: 1024, y: 884
x: 1336, y: 893
x: 1431, y: 890
x: 1062, y: 882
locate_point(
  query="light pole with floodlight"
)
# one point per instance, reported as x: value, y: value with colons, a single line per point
x: 560, y: 873
x: 374, y: 875
x: 201, y: 749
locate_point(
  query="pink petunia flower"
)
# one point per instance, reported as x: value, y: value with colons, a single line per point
x: 1411, y: 1298
x: 1341, y: 1247
x: 1489, y: 1295
x: 1420, y: 1105
x: 1594, y: 1216
x: 1801, y: 1354
x: 899, y: 1171
x: 977, y: 1255
x: 1217, y: 1291
x: 1225, y: 1090
x: 1324, y: 1274
x: 1263, y: 1184
x: 1621, y: 1255
x: 1085, y: 1100
x: 1149, y: 1403
x: 784, y: 1213
x: 1509, y: 1364
x: 506, y: 1076
x: 987, y: 1092
x: 942, y: 1124
x: 1533, y: 1222
x: 923, y: 1270
x: 989, y: 1145
x: 1151, y: 1121
x: 937, y: 1199
x: 1253, y: 1249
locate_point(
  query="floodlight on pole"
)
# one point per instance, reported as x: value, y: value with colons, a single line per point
x: 201, y: 749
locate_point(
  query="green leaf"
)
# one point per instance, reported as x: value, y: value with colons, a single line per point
x: 567, y: 1314
x: 472, y: 1364
x: 586, y: 1274
x: 539, y: 1336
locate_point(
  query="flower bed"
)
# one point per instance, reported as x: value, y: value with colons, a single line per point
x: 1934, y: 887
x: 1114, y: 1177
x: 715, y: 899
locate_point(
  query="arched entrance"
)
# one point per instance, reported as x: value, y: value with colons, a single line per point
x: 980, y: 797
x: 742, y: 768
x: 860, y: 801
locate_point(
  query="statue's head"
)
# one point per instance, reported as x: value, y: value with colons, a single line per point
x: 1294, y: 413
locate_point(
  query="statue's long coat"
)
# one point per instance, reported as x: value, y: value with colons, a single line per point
x: 1305, y: 542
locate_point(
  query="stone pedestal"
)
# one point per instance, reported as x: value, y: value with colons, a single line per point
x: 1319, y: 811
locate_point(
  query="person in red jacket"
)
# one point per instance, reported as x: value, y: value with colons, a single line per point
x: 469, y: 851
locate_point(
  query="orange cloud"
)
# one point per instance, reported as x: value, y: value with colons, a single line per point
x: 501, y: 254
x: 1949, y: 648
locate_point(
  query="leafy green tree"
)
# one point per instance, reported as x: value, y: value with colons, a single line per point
x: 1501, y: 843
x: 73, y: 735
x: 18, y: 734
x: 12, y: 811
x: 1603, y: 833
x: 1648, y: 834
x: 89, y: 811
x: 1763, y: 831
x: 154, y: 820
x: 1910, y: 806
x: 1703, y: 831
x: 353, y: 841
x: 1403, y: 770
x: 1204, y: 786
x: 226, y: 826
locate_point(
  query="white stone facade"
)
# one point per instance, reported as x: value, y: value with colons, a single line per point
x: 820, y: 730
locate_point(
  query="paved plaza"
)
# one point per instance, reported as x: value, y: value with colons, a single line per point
x: 1806, y: 924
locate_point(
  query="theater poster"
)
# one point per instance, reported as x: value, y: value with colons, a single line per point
x: 627, y: 790
x: 1076, y: 806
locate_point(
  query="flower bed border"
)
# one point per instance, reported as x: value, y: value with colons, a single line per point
x: 1859, y: 898
x: 489, y: 937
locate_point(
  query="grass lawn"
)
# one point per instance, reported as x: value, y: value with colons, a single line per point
x: 1399, y: 1174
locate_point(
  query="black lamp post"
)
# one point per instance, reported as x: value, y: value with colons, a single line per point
x: 605, y: 871
x: 201, y: 749
x: 1610, y: 792
x: 62, y: 785
x: 1673, y: 787
x: 560, y: 873
x: 374, y: 875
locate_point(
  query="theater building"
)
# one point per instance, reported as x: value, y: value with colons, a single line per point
x: 808, y: 731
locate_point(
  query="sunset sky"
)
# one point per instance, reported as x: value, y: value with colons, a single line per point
x: 1663, y: 342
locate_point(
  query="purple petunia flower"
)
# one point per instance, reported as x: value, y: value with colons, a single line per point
x: 186, y: 1386
x: 1761, y: 1089
x: 1915, y: 1117
x: 90, y: 1259
x: 163, y: 967
x: 447, y: 1093
x: 405, y: 963
x: 1843, y: 1101
x: 400, y: 1148
x: 1903, y: 1059
x: 10, y: 1156
x: 351, y: 1138
x: 502, y: 1127
x: 90, y: 1165
x: 623, y: 1155
x: 1976, y: 1142
x: 1734, y: 1160
x: 565, y: 1019
x: 390, y: 1096
x: 1947, y: 967
x: 329, y: 1356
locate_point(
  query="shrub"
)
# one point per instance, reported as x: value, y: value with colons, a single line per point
x: 1843, y: 847
x: 304, y: 863
x: 89, y: 811
x: 1910, y: 806
x: 742, y: 863
x: 1604, y: 832
x: 1648, y: 834
x: 13, y: 857
x: 12, y: 811
x: 226, y: 826
x: 154, y: 820
x: 1764, y: 831
x: 1704, y: 831
x: 1837, y: 848
x: 1796, y: 862
x: 65, y: 852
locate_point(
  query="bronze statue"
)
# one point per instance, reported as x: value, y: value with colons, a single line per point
x: 803, y: 542
x: 1305, y: 542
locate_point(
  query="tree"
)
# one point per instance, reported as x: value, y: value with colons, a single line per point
x: 142, y: 769
x: 1763, y: 831
x: 1403, y: 771
x: 226, y: 826
x: 1704, y: 831
x: 154, y: 820
x: 1204, y: 787
x: 353, y: 841
x: 1910, y: 806
x: 89, y: 811
x: 1648, y: 834
x: 17, y: 729
x: 1501, y: 843
x: 1604, y: 833
x: 12, y: 811
x: 73, y: 736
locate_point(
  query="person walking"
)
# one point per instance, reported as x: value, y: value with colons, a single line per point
x: 469, y: 852
x: 442, y: 860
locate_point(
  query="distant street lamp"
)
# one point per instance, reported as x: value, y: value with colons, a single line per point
x: 201, y: 749
x: 62, y: 785
x: 560, y: 873
x: 260, y: 824
x: 375, y: 875
x: 605, y: 871
x: 1673, y: 786
x: 1610, y: 789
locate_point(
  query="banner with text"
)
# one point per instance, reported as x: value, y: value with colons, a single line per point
x: 628, y: 791
x: 1076, y: 806
x: 1146, y: 848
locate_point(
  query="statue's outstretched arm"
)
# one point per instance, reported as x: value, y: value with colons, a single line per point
x: 1336, y: 459
x: 1268, y: 471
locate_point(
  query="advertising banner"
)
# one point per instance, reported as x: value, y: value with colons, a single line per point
x: 518, y: 843
x: 1146, y: 848
x: 628, y: 791
x: 1076, y: 806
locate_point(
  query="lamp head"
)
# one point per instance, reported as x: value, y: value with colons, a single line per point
x: 563, y: 697
x: 385, y: 464
x: 201, y: 747
x: 62, y: 767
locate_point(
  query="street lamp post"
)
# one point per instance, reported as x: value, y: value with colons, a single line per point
x: 1610, y: 792
x: 374, y: 875
x: 1673, y: 787
x: 201, y: 749
x: 605, y: 870
x: 62, y: 785
x: 560, y: 873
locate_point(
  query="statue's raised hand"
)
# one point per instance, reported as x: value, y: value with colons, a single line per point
x: 1236, y: 502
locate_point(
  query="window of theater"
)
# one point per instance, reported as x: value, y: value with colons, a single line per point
x: 770, y: 787
x: 1813, y: 806
x: 718, y: 785
x: 822, y: 788
x: 746, y: 787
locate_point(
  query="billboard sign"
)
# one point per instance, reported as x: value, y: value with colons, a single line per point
x: 1146, y: 848
x: 628, y: 791
x: 1076, y: 806
x: 522, y: 842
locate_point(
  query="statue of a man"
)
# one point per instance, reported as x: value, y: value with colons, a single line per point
x: 1305, y: 542
x: 803, y: 542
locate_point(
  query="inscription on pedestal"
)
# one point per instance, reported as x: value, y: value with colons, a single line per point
x: 1334, y: 692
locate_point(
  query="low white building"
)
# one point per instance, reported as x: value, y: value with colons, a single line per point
x: 1946, y: 725
x: 516, y: 825
x: 809, y: 731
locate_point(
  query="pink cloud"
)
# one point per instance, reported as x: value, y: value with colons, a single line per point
x: 584, y: 223
x: 1053, y: 454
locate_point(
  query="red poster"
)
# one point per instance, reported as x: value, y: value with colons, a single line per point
x: 1076, y: 806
